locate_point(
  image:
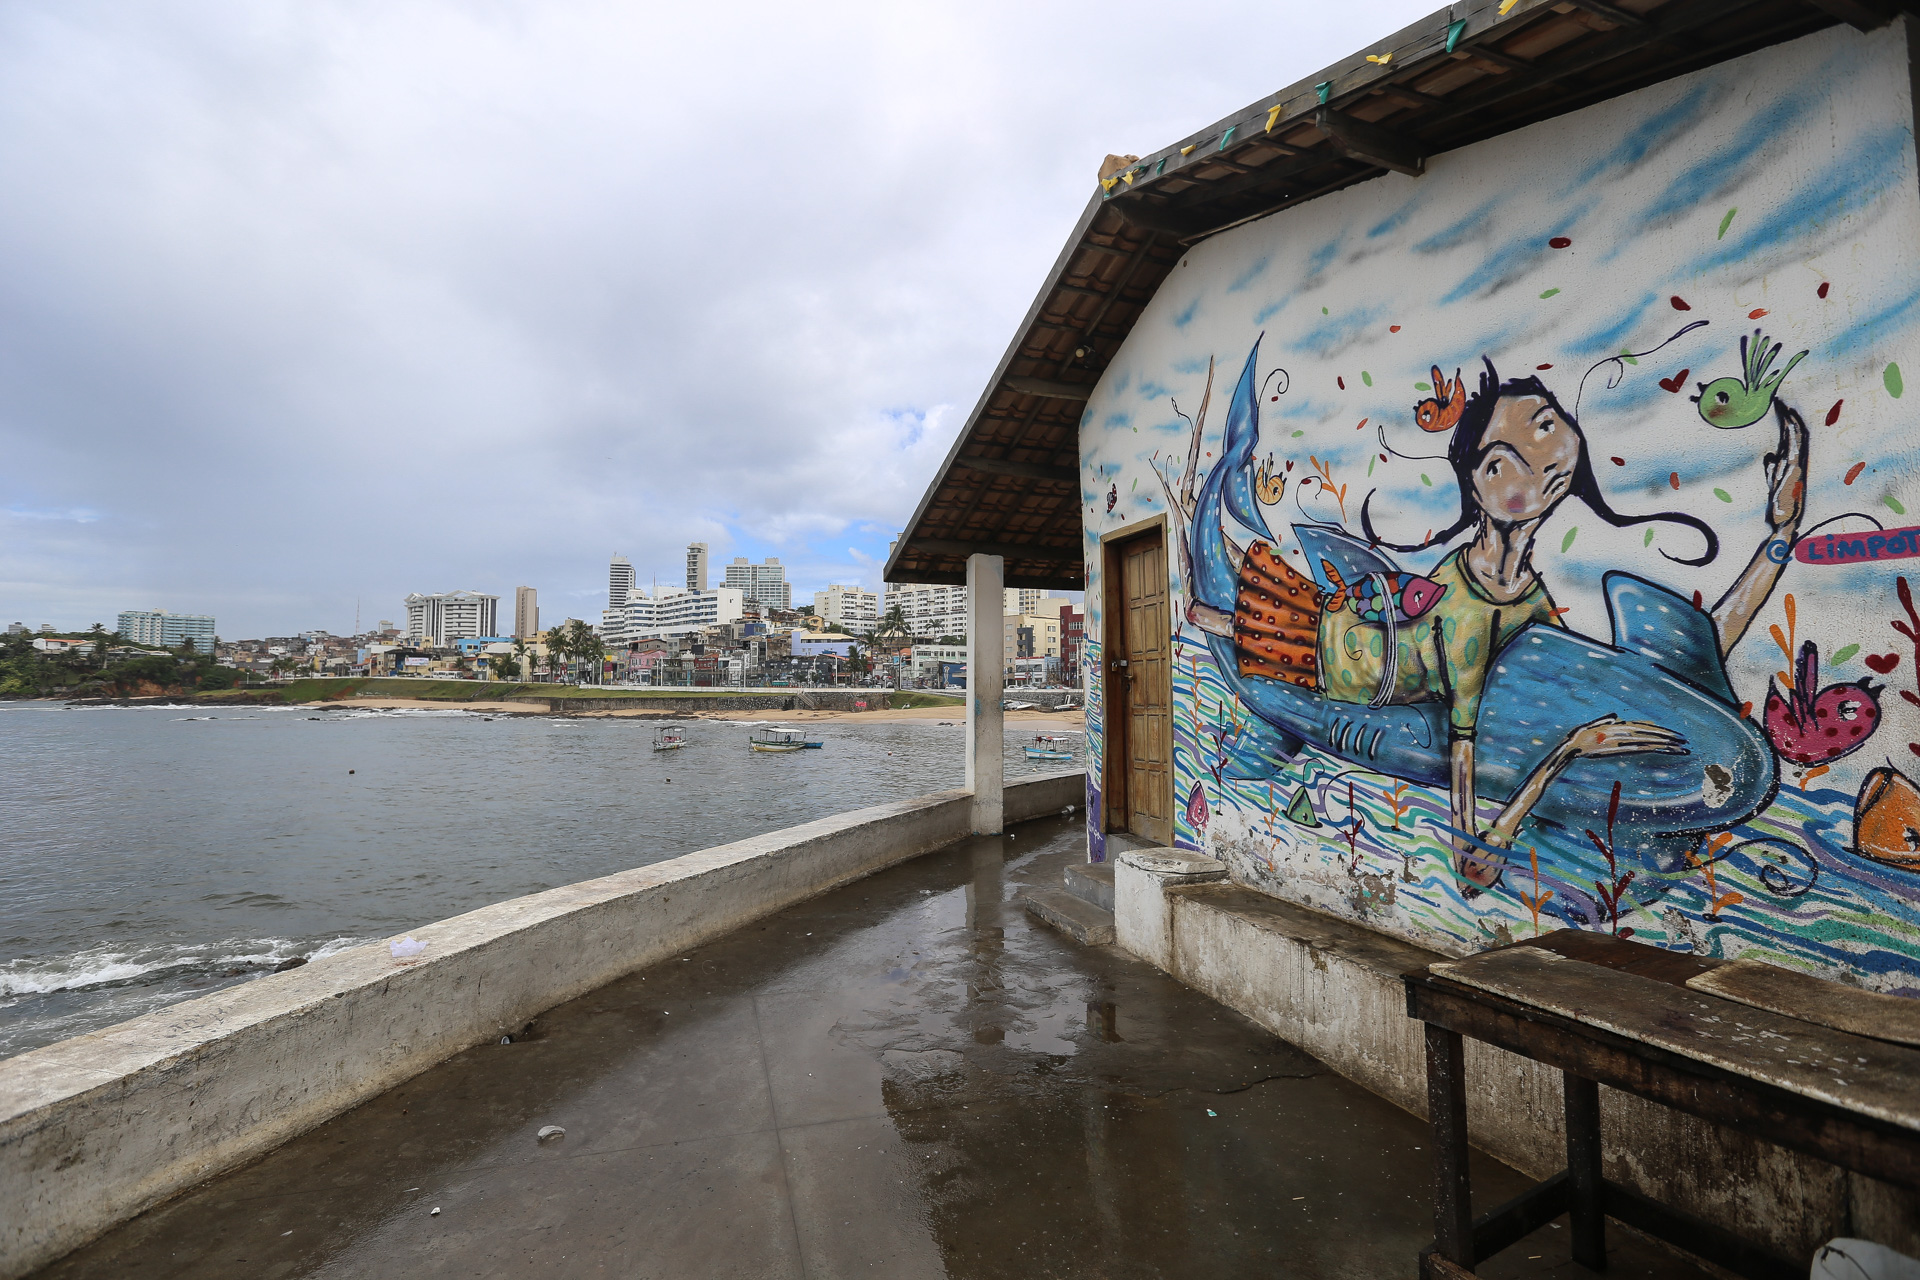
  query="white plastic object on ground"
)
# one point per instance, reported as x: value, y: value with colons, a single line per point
x: 406, y: 948
x: 1849, y: 1259
x: 551, y: 1131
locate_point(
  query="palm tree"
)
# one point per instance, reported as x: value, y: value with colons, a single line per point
x: 556, y: 652
x: 98, y: 634
x: 584, y: 644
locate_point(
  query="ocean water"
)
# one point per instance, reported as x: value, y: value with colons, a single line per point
x: 152, y: 854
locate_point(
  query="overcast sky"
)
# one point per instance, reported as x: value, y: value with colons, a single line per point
x: 309, y: 305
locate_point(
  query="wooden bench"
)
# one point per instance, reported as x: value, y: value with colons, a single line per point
x: 1751, y: 1047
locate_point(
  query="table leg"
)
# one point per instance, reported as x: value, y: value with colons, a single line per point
x: 1586, y: 1190
x: 1447, y: 1111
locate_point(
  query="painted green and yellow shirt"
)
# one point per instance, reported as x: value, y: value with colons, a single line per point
x: 1444, y: 655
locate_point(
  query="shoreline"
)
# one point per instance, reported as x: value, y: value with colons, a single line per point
x: 1074, y: 721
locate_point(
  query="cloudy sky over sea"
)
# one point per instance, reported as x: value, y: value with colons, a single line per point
x: 304, y: 305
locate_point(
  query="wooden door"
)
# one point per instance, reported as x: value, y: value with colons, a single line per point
x: 1140, y: 684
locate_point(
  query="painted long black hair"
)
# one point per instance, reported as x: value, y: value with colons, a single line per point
x: 1464, y: 455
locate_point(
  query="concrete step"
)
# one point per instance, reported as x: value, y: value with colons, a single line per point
x: 1091, y: 882
x: 1081, y: 921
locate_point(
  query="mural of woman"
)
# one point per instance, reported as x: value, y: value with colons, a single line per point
x: 1516, y: 454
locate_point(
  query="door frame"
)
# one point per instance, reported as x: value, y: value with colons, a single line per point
x: 1116, y: 808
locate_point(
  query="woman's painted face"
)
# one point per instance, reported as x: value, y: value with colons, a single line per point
x: 1528, y: 461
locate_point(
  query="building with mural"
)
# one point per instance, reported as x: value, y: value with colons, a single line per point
x: 1497, y: 512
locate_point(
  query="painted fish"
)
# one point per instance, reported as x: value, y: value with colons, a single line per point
x: 1113, y: 496
x: 1409, y: 594
x: 1814, y: 728
x: 1197, y: 813
x: 1442, y: 412
x: 1886, y: 820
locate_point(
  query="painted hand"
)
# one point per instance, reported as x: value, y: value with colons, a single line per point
x: 1612, y: 736
x: 1787, y: 470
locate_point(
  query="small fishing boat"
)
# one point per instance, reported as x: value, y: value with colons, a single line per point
x: 1042, y: 753
x: 813, y: 746
x: 669, y: 738
x: 1019, y: 706
x: 1051, y: 737
x: 776, y: 740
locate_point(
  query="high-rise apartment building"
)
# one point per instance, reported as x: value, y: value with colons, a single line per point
x: 764, y: 584
x: 157, y: 626
x: 931, y: 609
x: 696, y: 566
x: 526, y: 613
x: 619, y: 582
x: 444, y: 617
x: 848, y: 608
x: 671, y: 613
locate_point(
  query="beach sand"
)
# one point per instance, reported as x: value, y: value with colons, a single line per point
x: 1028, y: 721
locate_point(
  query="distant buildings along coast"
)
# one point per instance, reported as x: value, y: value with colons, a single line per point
x: 168, y: 630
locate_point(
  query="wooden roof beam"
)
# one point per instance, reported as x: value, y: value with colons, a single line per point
x: 1025, y: 470
x: 1854, y: 13
x: 1370, y: 143
x: 1005, y: 550
x: 1047, y: 388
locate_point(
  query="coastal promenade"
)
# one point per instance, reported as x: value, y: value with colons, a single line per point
x: 904, y: 1077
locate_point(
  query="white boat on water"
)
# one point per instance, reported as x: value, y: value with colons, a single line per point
x: 777, y: 740
x: 1037, y: 753
x: 669, y: 738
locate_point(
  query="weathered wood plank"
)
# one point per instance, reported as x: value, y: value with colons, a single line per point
x: 1676, y: 967
x: 1801, y: 995
x: 1827, y: 1132
x: 1860, y: 1075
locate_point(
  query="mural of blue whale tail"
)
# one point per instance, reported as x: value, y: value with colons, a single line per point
x: 1663, y: 666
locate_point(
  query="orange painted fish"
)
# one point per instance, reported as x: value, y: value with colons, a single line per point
x: 1407, y: 594
x: 1442, y: 412
x: 1886, y: 820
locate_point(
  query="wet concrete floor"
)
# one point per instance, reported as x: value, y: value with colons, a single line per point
x: 907, y: 1077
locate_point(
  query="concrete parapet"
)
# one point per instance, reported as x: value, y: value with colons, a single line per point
x: 95, y: 1129
x: 1333, y: 988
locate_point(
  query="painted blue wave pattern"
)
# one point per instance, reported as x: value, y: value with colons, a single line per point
x: 1790, y: 892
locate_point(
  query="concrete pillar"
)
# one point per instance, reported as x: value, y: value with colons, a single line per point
x: 1141, y: 922
x: 986, y: 679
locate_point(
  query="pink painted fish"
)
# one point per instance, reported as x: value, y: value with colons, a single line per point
x: 1197, y: 813
x: 1813, y: 728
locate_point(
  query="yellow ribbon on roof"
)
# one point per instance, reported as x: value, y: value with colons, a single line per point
x: 1273, y: 114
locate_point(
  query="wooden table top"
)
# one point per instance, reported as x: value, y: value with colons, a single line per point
x: 1640, y: 994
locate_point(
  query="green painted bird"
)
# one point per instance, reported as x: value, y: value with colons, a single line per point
x: 1728, y: 403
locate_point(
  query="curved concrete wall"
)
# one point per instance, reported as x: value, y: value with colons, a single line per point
x: 96, y: 1129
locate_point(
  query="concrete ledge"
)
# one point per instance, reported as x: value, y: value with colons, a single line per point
x: 1333, y: 988
x: 96, y: 1129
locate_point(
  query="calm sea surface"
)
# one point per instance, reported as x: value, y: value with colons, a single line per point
x: 152, y: 854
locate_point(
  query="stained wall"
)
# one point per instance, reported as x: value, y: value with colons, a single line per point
x: 1773, y: 198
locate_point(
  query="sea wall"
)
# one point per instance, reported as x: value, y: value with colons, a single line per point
x: 95, y: 1129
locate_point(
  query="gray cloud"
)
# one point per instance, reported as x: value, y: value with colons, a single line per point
x: 304, y: 304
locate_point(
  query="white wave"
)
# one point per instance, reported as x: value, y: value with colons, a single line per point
x: 109, y: 966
